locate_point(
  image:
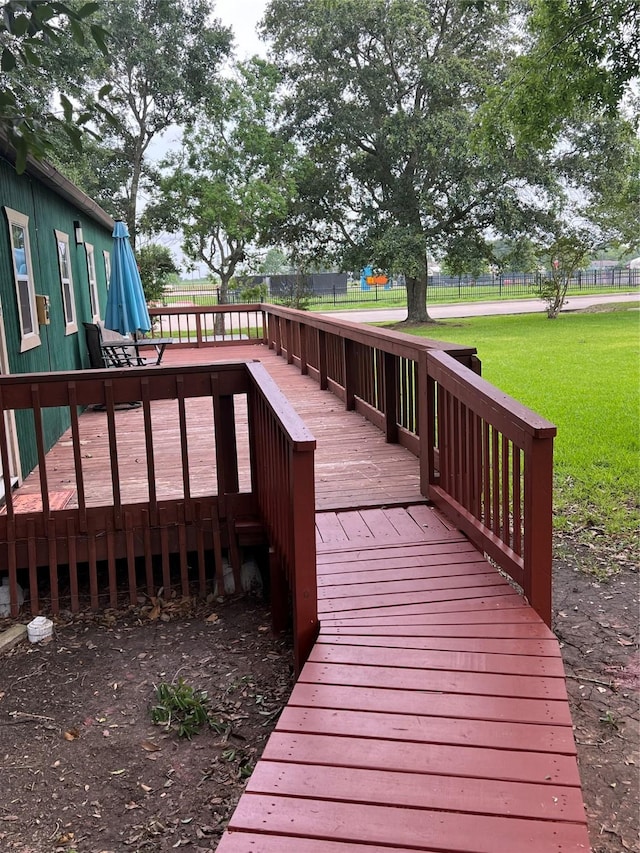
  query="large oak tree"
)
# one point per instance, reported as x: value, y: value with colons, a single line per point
x: 381, y: 95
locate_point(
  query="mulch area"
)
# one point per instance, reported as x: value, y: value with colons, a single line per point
x: 84, y: 768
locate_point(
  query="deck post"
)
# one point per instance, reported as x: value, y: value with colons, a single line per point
x: 304, y: 584
x: 289, y: 342
x: 425, y: 389
x: 391, y: 397
x: 538, y: 525
x: 322, y: 359
x: 226, y: 447
x: 278, y: 592
x: 350, y: 368
x: 303, y: 348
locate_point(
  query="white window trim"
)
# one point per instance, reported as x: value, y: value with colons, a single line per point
x: 28, y: 340
x: 94, y: 300
x: 107, y: 266
x: 70, y: 323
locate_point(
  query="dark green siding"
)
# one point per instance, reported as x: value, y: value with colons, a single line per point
x: 47, y: 212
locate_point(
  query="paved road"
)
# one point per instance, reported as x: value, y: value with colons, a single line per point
x: 478, y: 309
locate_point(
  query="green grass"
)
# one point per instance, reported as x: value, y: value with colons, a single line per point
x: 582, y: 372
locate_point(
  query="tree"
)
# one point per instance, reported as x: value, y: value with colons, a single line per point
x: 232, y: 179
x: 32, y: 34
x: 591, y: 204
x: 162, y: 64
x: 156, y: 267
x: 564, y: 256
x: 382, y: 97
x: 275, y: 262
x: 581, y: 54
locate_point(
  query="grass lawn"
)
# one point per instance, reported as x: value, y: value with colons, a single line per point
x: 581, y: 371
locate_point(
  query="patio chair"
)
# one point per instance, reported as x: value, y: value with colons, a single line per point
x: 118, y: 356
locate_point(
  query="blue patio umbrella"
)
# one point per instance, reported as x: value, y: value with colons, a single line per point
x: 126, y: 306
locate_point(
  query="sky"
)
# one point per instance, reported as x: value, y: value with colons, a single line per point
x: 242, y: 16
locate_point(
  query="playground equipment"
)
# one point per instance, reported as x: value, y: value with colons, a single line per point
x: 367, y: 279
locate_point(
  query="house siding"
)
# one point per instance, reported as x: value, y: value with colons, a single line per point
x: 47, y: 212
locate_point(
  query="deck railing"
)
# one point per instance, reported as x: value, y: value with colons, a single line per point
x: 167, y: 480
x: 373, y: 371
x: 486, y: 461
x: 489, y: 467
x: 204, y: 325
x: 282, y: 465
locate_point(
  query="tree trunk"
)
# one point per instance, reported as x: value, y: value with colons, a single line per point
x: 223, y: 299
x: 417, y: 300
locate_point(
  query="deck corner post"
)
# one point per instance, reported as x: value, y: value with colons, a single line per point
x: 538, y: 526
x: 304, y: 584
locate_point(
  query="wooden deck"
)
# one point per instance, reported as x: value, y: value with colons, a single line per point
x: 354, y: 465
x: 432, y: 713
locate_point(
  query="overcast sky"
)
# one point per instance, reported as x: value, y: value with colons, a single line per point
x: 242, y: 16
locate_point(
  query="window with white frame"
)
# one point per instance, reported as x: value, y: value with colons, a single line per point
x: 66, y: 282
x: 107, y: 266
x: 93, y: 282
x: 23, y: 279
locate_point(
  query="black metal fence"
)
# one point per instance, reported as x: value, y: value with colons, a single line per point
x: 440, y: 288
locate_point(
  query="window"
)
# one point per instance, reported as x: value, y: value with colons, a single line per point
x: 107, y: 266
x: 23, y: 279
x: 93, y: 282
x: 66, y: 282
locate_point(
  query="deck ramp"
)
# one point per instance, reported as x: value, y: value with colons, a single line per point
x: 432, y: 714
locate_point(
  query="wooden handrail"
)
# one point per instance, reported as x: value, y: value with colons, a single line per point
x: 488, y: 466
x: 284, y: 482
x: 142, y: 514
x: 485, y: 459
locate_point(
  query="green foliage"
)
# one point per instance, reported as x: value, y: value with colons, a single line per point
x: 582, y: 373
x: 252, y: 293
x: 275, y: 262
x: 156, y: 267
x: 32, y: 33
x: 162, y: 64
x: 233, y: 178
x: 580, y: 55
x: 180, y: 707
x: 566, y: 255
x: 296, y: 292
x: 382, y: 97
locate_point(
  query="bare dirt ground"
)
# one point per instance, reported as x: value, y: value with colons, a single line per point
x: 84, y: 769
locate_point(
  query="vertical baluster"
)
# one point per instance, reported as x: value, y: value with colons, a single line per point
x: 505, y: 492
x: 41, y: 448
x: 33, y: 567
x: 72, y: 551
